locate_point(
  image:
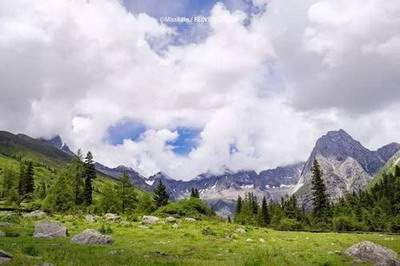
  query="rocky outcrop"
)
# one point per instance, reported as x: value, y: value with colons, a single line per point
x: 91, y: 237
x: 111, y: 217
x: 46, y: 229
x: 378, y: 255
x: 347, y: 166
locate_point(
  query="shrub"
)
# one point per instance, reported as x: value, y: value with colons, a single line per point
x: 31, y: 251
x: 395, y: 225
x: 192, y: 207
x: 288, y: 224
x: 10, y: 218
x: 347, y: 223
x: 105, y: 229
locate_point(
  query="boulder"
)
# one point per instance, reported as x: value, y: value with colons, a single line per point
x: 38, y: 214
x: 48, y: 229
x: 170, y: 219
x: 148, y: 219
x: 378, y: 255
x: 4, y: 257
x: 91, y: 237
x: 188, y: 219
x: 249, y: 240
x: 111, y: 217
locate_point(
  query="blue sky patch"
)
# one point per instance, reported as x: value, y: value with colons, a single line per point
x: 125, y: 129
x: 187, y: 140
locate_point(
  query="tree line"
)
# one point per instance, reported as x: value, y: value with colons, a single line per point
x: 374, y: 209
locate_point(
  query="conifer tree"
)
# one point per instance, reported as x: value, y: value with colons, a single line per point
x: 161, y: 195
x: 238, y: 205
x: 194, y: 193
x: 30, y: 186
x: 320, y: 198
x: 78, y: 170
x: 22, y: 179
x: 90, y: 174
x: 128, y: 194
x: 265, y: 219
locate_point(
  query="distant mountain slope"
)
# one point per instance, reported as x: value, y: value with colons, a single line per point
x: 347, y: 165
x: 389, y: 167
x: 34, y: 149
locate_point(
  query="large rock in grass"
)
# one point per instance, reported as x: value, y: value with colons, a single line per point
x: 38, y: 214
x: 5, y: 257
x: 91, y: 237
x: 48, y: 229
x: 170, y: 219
x: 368, y: 251
x: 189, y: 219
x: 148, y: 219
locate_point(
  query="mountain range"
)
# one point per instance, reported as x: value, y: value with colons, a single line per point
x: 347, y: 167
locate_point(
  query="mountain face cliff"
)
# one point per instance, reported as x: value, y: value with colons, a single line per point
x: 347, y: 165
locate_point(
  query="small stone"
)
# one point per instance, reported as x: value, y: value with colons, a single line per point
x: 240, y: 231
x: 189, y: 219
x: 249, y: 240
x: 143, y: 227
x: 175, y: 226
x: 112, y: 217
x: 261, y: 240
x: 170, y: 219
x: 148, y: 219
x: 2, y: 234
x: 91, y: 237
x: 47, y: 229
x: 45, y: 264
x: 38, y: 214
x: 89, y: 218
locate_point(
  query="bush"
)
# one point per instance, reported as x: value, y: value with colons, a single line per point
x: 191, y: 207
x: 288, y: 224
x: 395, y: 225
x: 10, y: 218
x: 347, y: 223
x: 105, y: 229
x: 31, y: 251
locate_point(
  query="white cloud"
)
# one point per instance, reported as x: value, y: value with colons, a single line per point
x: 76, y: 68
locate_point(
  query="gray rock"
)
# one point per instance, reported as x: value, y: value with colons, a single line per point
x: 368, y: 251
x: 91, y: 237
x: 5, y: 257
x: 170, y: 219
x: 48, y: 229
x: 45, y: 264
x: 148, y: 219
x: 240, y: 231
x: 111, y: 217
x: 38, y: 214
x: 188, y: 219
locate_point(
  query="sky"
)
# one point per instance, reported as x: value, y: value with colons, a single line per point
x: 251, y: 85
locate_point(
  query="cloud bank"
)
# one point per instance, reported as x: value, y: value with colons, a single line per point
x: 258, y: 88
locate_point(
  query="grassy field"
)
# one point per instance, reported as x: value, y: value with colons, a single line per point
x: 193, y: 243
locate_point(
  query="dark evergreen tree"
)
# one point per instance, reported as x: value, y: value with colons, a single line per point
x: 90, y: 174
x: 229, y: 219
x: 160, y: 195
x: 22, y: 179
x: 196, y: 192
x: 320, y: 198
x: 30, y: 185
x: 238, y: 205
x: 192, y: 193
x: 78, y: 170
x: 265, y: 219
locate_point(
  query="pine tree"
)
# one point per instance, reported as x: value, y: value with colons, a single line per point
x: 161, y: 195
x: 77, y: 168
x: 128, y: 194
x: 229, y: 219
x: 194, y: 193
x: 265, y: 219
x: 22, y: 180
x: 90, y: 174
x: 238, y: 205
x: 30, y: 185
x: 320, y: 198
